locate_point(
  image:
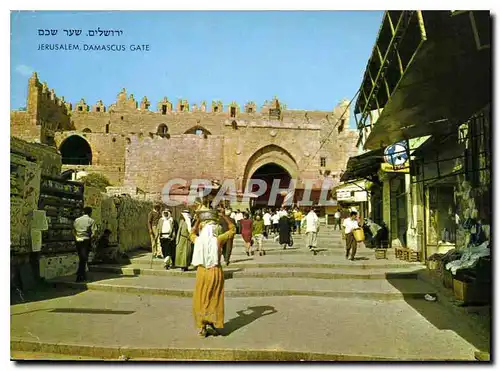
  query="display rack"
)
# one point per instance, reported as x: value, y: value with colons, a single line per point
x: 62, y: 201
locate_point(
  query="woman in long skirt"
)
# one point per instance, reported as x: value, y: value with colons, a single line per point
x: 208, y: 299
x: 285, y: 231
x: 184, y: 248
x: 246, y: 232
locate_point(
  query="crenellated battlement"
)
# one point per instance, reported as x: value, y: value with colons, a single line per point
x: 127, y: 103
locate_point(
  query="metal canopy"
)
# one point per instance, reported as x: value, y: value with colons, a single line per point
x: 363, y: 166
x: 449, y: 78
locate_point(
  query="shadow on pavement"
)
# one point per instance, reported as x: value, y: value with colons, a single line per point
x: 58, y: 287
x: 245, y: 317
x: 43, y: 291
x: 443, y: 317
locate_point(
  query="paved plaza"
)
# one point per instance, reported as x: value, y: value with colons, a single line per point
x: 287, y: 305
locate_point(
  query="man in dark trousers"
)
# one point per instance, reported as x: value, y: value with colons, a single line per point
x: 83, y: 228
x: 227, y: 247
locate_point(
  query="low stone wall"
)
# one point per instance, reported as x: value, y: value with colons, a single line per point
x: 132, y: 222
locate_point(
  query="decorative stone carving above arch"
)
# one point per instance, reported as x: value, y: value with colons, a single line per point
x: 266, y: 155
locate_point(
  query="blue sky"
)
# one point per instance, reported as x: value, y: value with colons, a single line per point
x: 310, y: 60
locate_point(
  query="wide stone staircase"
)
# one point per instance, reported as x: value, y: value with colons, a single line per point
x: 288, y: 305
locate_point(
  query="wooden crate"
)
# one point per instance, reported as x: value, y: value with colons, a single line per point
x: 380, y: 254
x: 399, y: 252
x: 471, y: 292
x: 406, y: 254
x: 447, y: 279
x: 414, y: 256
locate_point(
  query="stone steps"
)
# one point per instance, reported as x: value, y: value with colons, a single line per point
x: 319, y: 263
x: 229, y: 272
x: 393, y: 289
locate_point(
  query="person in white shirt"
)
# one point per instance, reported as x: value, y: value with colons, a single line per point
x: 336, y: 221
x: 267, y: 223
x: 166, y: 229
x: 83, y: 229
x: 238, y: 217
x: 312, y: 229
x: 275, y: 218
x: 350, y: 224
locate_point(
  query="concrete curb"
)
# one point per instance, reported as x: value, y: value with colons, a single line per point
x: 348, y: 265
x: 228, y: 274
x: 243, y: 293
x: 193, y: 354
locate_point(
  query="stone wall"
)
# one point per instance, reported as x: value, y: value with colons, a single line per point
x: 45, y: 114
x: 46, y: 156
x: 132, y: 223
x: 136, y: 144
x: 151, y: 163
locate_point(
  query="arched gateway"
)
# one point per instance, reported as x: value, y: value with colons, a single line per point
x: 75, y: 150
x: 270, y: 163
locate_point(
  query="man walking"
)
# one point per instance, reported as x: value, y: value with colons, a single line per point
x: 166, y: 230
x: 267, y: 223
x: 153, y: 219
x: 227, y: 246
x: 336, y: 220
x: 83, y: 228
x: 312, y: 229
x: 298, y: 220
x: 238, y: 217
x: 350, y: 224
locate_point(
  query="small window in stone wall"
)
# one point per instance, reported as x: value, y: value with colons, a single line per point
x: 250, y: 110
x: 87, y: 130
x: 107, y: 128
x: 98, y: 109
x: 234, y: 125
x: 80, y: 108
x: 182, y: 108
x: 233, y: 111
x: 216, y: 109
x: 164, y: 109
x: 162, y: 130
x: 322, y: 161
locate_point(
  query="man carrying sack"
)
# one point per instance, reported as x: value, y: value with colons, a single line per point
x: 351, y: 225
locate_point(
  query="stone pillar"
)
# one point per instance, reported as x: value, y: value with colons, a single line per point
x: 411, y: 215
x: 386, y: 200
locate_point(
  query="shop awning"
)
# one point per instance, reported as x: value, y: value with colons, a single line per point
x: 447, y: 81
x: 363, y: 166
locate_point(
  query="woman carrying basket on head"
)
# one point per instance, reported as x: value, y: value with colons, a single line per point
x: 208, y: 298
